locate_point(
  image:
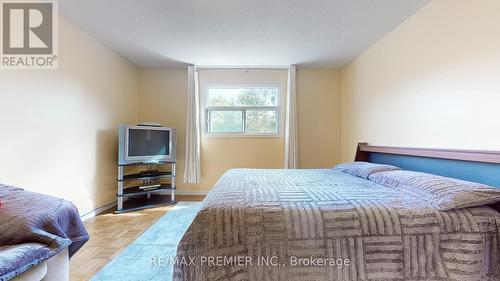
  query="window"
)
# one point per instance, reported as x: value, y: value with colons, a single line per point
x: 242, y: 110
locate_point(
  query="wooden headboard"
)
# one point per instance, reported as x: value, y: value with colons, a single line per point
x: 472, y: 165
x: 363, y: 151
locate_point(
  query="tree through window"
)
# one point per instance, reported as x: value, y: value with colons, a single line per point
x: 242, y: 110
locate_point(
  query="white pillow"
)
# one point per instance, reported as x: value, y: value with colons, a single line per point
x: 363, y: 169
x: 443, y: 193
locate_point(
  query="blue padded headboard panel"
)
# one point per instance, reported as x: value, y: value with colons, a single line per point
x: 485, y: 173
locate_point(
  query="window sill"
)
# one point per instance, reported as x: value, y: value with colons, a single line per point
x: 243, y: 136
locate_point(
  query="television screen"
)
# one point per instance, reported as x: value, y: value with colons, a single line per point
x: 148, y: 142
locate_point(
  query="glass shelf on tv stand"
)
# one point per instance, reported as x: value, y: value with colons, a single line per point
x: 140, y: 199
x: 147, y: 176
x: 146, y: 163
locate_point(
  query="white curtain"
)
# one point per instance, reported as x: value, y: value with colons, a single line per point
x: 291, y: 143
x: 192, y: 166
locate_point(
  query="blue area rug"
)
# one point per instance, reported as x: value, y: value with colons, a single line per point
x: 137, y: 261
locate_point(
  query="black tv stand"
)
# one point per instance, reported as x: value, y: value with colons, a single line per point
x: 151, y: 187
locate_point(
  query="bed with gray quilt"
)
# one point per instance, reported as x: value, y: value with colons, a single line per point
x: 35, y: 227
x: 355, y: 222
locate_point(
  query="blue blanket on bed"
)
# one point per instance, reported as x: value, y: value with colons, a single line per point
x: 35, y: 227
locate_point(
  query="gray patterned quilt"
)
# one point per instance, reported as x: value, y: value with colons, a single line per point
x: 327, y: 225
x: 35, y: 227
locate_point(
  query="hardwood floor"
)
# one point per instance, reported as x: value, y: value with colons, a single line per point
x: 110, y: 234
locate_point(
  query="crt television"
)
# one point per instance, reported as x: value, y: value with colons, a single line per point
x: 146, y: 144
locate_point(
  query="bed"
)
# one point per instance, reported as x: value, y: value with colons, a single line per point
x: 38, y: 235
x: 327, y: 224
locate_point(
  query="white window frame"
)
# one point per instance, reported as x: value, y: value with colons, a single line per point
x: 205, y: 110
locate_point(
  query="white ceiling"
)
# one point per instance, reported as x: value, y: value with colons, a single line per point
x: 173, y: 33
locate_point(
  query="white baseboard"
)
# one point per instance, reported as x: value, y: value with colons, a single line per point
x: 98, y: 211
x: 106, y: 207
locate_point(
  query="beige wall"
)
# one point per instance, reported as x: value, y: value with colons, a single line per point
x: 163, y: 99
x: 432, y: 82
x: 58, y: 127
x: 318, y: 106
